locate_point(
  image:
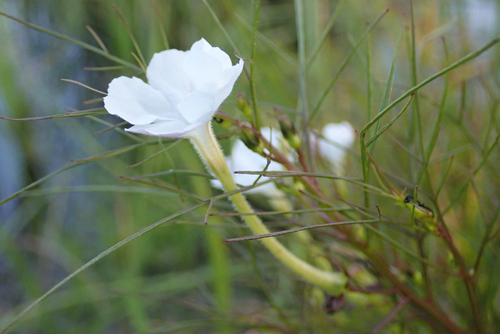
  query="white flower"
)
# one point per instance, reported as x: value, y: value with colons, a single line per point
x: 184, y: 90
x: 244, y: 159
x: 337, y: 138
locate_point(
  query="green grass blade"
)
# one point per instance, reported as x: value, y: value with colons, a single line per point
x: 156, y: 154
x: 115, y: 152
x: 140, y: 60
x: 96, y: 111
x: 325, y: 33
x: 224, y: 31
x: 161, y: 24
x: 95, y: 188
x: 388, y: 88
x: 108, y: 251
x: 41, y: 180
x: 460, y: 192
x: 253, y: 90
x: 164, y: 186
x: 268, y: 42
x: 388, y: 125
x: 75, y: 41
x: 342, y: 66
x: 462, y: 61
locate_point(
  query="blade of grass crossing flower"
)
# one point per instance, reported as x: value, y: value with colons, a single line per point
x: 108, y: 251
x: 342, y: 66
x: 325, y: 33
x: 75, y: 41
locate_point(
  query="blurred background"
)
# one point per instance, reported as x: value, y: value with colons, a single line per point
x: 183, y: 277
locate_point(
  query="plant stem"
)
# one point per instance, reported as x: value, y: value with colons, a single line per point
x: 208, y: 148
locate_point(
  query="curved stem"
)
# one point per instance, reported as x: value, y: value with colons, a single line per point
x: 209, y: 150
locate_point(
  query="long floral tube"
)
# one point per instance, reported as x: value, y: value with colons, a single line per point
x: 211, y: 153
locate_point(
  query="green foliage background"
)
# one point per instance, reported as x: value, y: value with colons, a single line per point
x: 182, y: 277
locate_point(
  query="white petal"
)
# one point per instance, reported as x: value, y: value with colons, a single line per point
x: 244, y: 159
x: 215, y: 52
x: 172, y: 128
x: 205, y: 66
x: 229, y: 77
x: 136, y: 102
x: 339, y: 136
x: 216, y: 184
x: 166, y: 74
x: 197, y: 106
x: 340, y: 133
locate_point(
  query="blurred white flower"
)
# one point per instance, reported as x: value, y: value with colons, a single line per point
x: 184, y: 90
x: 337, y: 138
x: 244, y: 159
x: 481, y: 20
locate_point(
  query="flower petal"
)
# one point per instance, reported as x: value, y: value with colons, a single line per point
x: 137, y: 102
x: 339, y: 136
x: 170, y: 128
x: 197, y: 106
x: 166, y: 74
x: 205, y: 66
x: 229, y: 76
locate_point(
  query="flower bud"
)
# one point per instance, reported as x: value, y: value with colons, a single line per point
x: 288, y: 129
x: 244, y: 106
x: 250, y: 139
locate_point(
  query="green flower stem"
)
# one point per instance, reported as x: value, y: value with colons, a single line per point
x: 208, y: 148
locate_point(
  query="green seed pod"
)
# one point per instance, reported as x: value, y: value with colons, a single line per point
x: 288, y: 129
x: 250, y: 139
x: 244, y: 106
